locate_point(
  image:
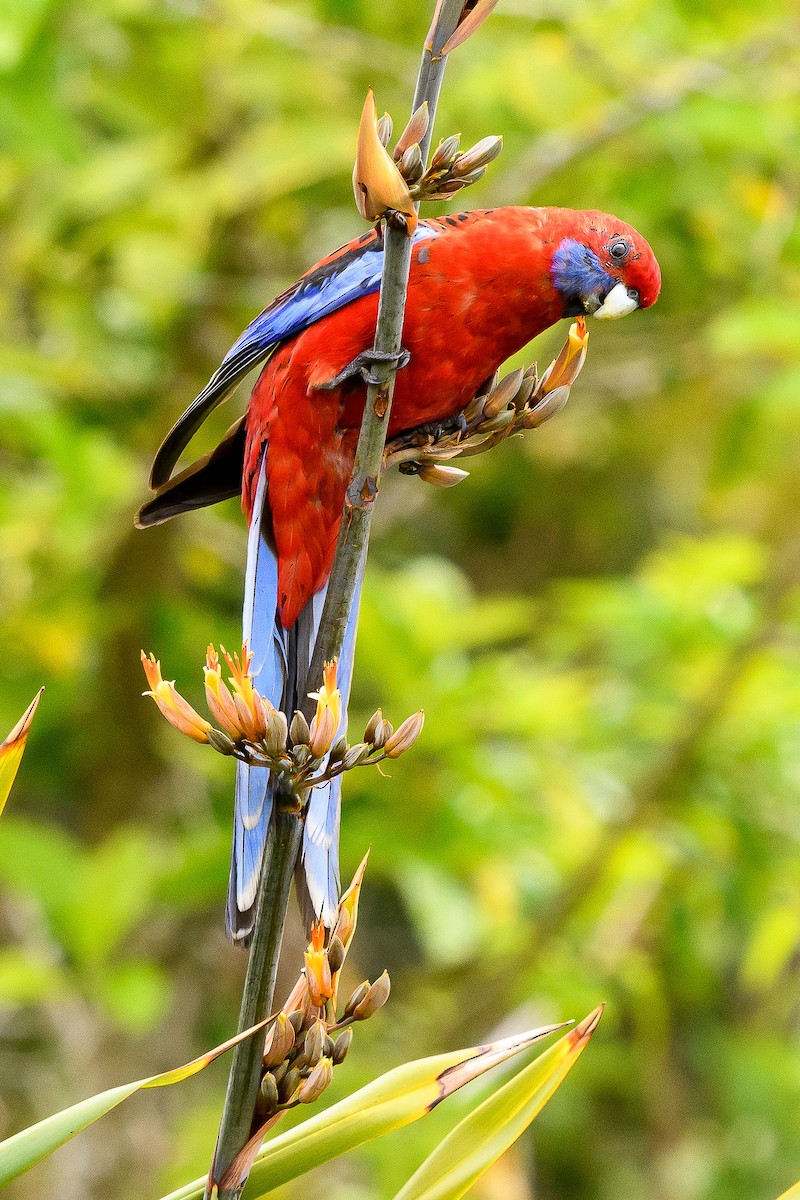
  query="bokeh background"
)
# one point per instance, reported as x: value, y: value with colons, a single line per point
x: 603, y: 623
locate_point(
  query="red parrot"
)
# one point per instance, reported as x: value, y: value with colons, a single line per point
x: 482, y: 285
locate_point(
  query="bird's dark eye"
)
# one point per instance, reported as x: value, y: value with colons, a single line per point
x: 619, y: 249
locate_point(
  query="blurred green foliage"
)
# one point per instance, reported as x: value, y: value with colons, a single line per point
x: 603, y: 623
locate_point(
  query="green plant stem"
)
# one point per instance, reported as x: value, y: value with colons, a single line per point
x: 351, y: 548
x: 280, y: 857
x: 284, y: 842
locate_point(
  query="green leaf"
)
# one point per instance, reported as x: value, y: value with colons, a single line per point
x: 22, y: 1151
x: 13, y: 748
x: 390, y: 1102
x: 479, y: 1140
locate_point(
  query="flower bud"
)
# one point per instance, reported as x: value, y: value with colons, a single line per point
x: 383, y: 732
x: 553, y: 403
x: 336, y: 954
x: 441, y: 476
x: 313, y: 1087
x: 276, y: 730
x: 404, y: 737
x: 355, y: 755
x: 412, y: 167
x: 358, y: 995
x: 503, y: 394
x: 479, y: 155
x: 220, y: 741
x: 312, y: 1046
x: 342, y: 1045
x: 445, y: 152
x: 323, y: 731
x: 372, y: 725
x: 289, y: 1085
x: 297, y: 1020
x: 298, y: 730
x: 338, y: 750
x: 376, y: 997
x: 269, y: 1093
x: 414, y: 131
x: 280, y: 1041
x: 385, y: 129
x: 318, y: 970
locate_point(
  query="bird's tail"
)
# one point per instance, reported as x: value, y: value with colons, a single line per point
x: 279, y: 670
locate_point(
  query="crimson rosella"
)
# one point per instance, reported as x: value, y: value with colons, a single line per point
x: 482, y: 285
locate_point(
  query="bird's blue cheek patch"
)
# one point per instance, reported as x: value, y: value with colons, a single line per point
x: 576, y: 271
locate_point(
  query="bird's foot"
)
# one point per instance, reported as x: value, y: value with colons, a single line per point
x: 361, y: 364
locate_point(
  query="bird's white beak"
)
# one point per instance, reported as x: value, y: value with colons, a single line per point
x: 618, y: 303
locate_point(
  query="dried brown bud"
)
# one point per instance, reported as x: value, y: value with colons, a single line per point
x: 269, y: 1093
x: 414, y: 131
x: 479, y: 155
x: 376, y: 997
x: 372, y: 725
x: 313, y: 1087
x: 405, y: 735
x: 342, y: 1045
x: 298, y: 730
x: 280, y: 1041
x: 358, y: 995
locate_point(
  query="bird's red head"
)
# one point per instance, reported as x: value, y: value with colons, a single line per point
x: 602, y: 266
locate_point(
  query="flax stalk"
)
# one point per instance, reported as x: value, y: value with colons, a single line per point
x: 285, y: 836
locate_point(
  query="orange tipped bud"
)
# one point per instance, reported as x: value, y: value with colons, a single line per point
x: 318, y: 970
x: 567, y: 367
x: 378, y: 186
x: 171, y: 704
x: 405, y: 735
x: 218, y: 698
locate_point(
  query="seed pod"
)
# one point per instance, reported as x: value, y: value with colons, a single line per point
x: 414, y: 131
x: 445, y: 152
x: 269, y: 1093
x: 412, y: 167
x: 441, y: 476
x: 220, y: 741
x: 479, y: 155
x: 313, y: 1087
x: 372, y: 725
x: 298, y: 730
x: 503, y: 394
x: 385, y: 129
x: 280, y: 1041
x: 358, y: 995
x: 376, y: 997
x: 553, y: 403
x: 289, y: 1085
x: 405, y: 735
x: 336, y: 954
x: 342, y: 1045
x: 297, y: 1020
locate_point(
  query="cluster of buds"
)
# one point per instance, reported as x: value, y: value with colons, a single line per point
x: 248, y: 727
x: 521, y: 400
x: 391, y: 185
x: 307, y: 1039
x: 450, y: 170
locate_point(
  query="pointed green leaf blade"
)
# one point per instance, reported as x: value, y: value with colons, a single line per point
x: 13, y: 748
x: 390, y: 1102
x: 480, y: 1139
x: 24, y: 1149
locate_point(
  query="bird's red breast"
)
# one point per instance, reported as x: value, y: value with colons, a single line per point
x: 477, y: 294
